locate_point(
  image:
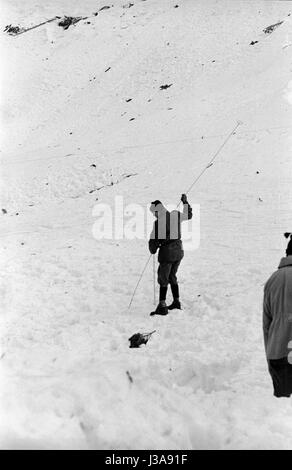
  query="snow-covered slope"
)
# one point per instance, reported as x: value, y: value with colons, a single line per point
x: 201, y: 381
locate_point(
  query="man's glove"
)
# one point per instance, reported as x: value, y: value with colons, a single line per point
x: 184, y: 199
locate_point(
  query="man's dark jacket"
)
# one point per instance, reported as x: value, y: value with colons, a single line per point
x: 166, y: 235
x: 277, y: 311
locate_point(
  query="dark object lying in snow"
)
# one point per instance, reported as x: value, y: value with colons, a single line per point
x: 128, y: 374
x: 271, y: 28
x: 164, y: 87
x: 111, y: 183
x: 69, y: 20
x: 13, y: 30
x: 253, y: 42
x: 16, y: 30
x: 139, y: 338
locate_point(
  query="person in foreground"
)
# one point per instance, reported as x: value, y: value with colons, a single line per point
x: 166, y: 236
x: 277, y: 324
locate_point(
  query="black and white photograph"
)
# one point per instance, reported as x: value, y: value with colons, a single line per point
x: 146, y: 227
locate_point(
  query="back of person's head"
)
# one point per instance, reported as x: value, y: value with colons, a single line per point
x: 156, y: 207
x: 289, y: 246
x: 156, y: 203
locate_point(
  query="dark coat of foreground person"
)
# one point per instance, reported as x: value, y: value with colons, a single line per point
x: 277, y: 325
x: 166, y: 236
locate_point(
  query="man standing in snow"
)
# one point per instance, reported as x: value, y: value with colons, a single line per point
x: 277, y: 324
x: 166, y: 236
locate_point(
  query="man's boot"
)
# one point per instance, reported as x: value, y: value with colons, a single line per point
x: 161, y: 308
x: 176, y: 303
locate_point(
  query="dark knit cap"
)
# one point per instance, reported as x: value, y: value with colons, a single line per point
x: 289, y: 246
x: 156, y: 203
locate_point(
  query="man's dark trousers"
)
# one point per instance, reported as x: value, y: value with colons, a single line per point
x: 167, y: 273
x: 281, y: 373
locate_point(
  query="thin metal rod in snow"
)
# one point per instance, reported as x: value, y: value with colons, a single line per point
x: 154, y: 283
x: 37, y: 26
x: 188, y: 190
x: 139, y: 280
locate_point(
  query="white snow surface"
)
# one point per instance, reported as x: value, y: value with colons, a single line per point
x: 201, y: 382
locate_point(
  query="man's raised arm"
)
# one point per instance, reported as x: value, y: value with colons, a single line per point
x: 187, y: 213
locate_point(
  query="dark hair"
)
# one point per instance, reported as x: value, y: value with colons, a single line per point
x: 289, y: 246
x: 156, y: 203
